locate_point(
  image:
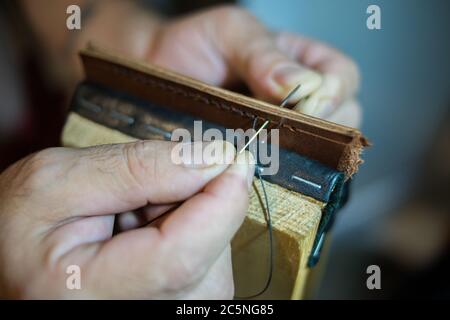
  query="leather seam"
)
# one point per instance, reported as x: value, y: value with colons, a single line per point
x: 198, y: 97
x: 296, y: 130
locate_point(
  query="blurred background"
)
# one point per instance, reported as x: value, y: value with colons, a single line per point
x: 399, y: 214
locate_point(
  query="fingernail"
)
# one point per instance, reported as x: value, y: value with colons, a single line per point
x: 286, y: 77
x: 325, y: 108
x: 306, y: 106
x: 244, y: 166
x: 201, y: 154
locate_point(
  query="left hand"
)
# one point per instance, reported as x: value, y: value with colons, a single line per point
x: 225, y: 45
x: 222, y: 46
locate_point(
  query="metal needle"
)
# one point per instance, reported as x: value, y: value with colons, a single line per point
x: 282, y: 105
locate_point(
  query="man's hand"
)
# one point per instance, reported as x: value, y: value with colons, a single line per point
x: 58, y: 208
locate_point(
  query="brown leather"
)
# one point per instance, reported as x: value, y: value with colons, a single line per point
x: 334, y: 145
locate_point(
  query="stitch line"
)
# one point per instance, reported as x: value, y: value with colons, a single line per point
x: 134, y: 75
x: 195, y: 96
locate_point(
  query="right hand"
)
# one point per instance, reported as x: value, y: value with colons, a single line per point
x: 58, y: 208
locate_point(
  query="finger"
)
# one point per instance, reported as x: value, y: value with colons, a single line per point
x: 118, y: 178
x: 252, y: 51
x: 218, y: 282
x: 348, y: 114
x: 324, y: 100
x: 76, y: 234
x: 201, y: 227
x: 188, y: 242
x: 141, y: 217
x: 226, y: 44
x: 342, y: 79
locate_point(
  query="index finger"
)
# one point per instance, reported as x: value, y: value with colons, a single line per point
x: 325, y: 59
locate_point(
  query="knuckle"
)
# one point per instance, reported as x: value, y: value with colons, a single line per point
x: 231, y: 18
x: 140, y: 162
x: 262, y: 59
x: 39, y: 169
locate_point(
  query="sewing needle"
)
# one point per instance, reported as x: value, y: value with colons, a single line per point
x: 282, y: 105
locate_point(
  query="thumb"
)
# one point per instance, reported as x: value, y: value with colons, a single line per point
x: 179, y: 253
x: 110, y: 179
